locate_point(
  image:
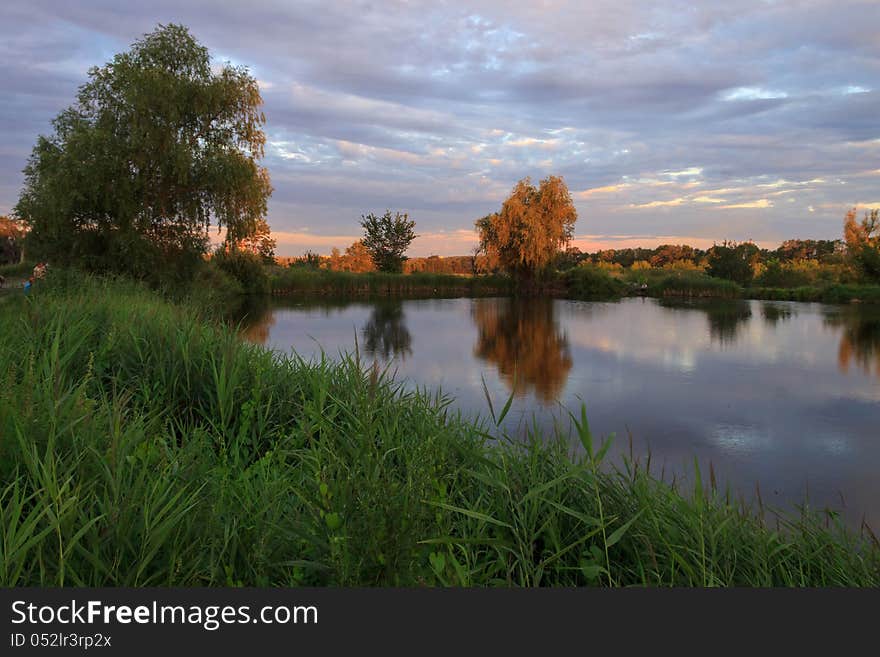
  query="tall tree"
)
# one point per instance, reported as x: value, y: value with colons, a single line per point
x: 387, y: 238
x: 534, y: 225
x: 863, y: 243
x: 732, y: 261
x: 157, y: 147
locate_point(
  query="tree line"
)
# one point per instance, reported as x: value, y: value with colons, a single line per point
x: 160, y: 147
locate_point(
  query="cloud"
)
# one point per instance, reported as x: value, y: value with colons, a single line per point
x: 760, y: 203
x: 659, y: 204
x: 660, y: 119
x: 607, y: 189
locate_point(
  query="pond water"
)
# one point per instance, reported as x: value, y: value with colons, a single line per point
x: 778, y: 395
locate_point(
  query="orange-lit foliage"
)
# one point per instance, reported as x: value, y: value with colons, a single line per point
x: 260, y: 242
x: 11, y: 235
x: 533, y: 226
x: 863, y: 243
x: 461, y: 265
x: 355, y: 259
x: 667, y: 254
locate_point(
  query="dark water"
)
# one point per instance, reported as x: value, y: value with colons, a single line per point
x: 781, y: 395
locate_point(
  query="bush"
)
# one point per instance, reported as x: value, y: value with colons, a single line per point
x: 591, y: 282
x: 695, y: 284
x: 246, y: 268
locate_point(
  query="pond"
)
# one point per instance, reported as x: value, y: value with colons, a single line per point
x: 779, y: 397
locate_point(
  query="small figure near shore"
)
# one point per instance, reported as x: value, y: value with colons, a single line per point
x: 28, y: 284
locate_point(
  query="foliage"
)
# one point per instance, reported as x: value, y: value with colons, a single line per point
x: 387, y: 238
x: 800, y: 273
x: 357, y: 259
x: 863, y: 244
x: 143, y: 447
x: 156, y: 147
x: 245, y: 267
x: 260, y: 242
x: 434, y: 264
x: 533, y: 226
x: 822, y: 251
x: 732, y: 261
x: 12, y: 234
x: 309, y: 260
x: 667, y: 254
x: 592, y: 282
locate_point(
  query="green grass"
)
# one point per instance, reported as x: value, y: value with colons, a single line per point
x: 294, y: 280
x: 140, y: 445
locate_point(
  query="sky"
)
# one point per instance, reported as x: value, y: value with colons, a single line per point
x: 671, y: 122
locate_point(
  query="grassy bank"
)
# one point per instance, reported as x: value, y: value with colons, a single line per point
x: 144, y: 446
x: 825, y: 294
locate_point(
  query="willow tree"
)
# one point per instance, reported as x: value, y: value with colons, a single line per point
x: 158, y: 146
x: 534, y: 225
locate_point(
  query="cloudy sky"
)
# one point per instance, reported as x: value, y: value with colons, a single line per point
x: 670, y: 121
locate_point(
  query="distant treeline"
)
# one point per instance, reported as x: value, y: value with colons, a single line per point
x: 355, y: 259
x: 822, y: 251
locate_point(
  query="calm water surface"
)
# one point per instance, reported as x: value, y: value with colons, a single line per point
x: 785, y: 396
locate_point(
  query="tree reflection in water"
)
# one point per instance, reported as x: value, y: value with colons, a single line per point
x: 726, y: 317
x: 774, y: 313
x: 521, y: 337
x: 385, y: 333
x: 859, y: 338
x: 254, y: 318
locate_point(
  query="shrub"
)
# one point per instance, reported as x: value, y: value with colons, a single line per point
x: 246, y: 268
x: 593, y: 282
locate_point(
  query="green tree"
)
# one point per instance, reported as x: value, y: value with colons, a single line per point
x: 534, y: 225
x: 863, y: 243
x: 733, y: 261
x: 156, y: 148
x: 387, y: 238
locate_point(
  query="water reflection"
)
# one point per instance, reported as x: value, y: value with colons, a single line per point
x: 726, y: 317
x: 522, y: 339
x: 385, y: 333
x: 859, y: 339
x: 254, y: 318
x: 773, y: 313
x: 776, y: 393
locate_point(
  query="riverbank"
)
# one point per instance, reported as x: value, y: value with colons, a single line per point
x: 292, y: 281
x: 150, y: 447
x: 584, y: 283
